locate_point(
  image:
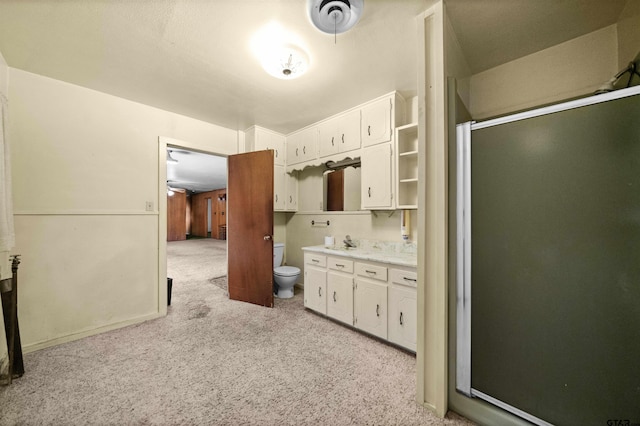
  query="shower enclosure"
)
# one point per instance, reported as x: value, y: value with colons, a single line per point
x: 548, y: 261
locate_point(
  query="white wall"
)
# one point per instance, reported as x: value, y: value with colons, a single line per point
x: 574, y: 68
x: 84, y: 165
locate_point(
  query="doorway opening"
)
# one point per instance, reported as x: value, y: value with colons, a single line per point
x: 192, y: 217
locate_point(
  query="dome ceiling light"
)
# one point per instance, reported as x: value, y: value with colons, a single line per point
x: 286, y: 62
x: 335, y: 16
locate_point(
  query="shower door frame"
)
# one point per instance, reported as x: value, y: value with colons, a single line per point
x: 463, y: 219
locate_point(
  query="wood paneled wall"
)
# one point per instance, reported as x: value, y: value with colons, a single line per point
x: 199, y: 209
x: 176, y: 213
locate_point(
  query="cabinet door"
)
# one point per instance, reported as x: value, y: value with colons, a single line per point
x: 349, y: 131
x: 370, y: 307
x: 402, y: 319
x: 308, y: 148
x: 279, y: 197
x: 293, y: 141
x: 292, y: 191
x: 267, y: 140
x: 376, y: 177
x: 340, y: 296
x: 376, y: 122
x: 315, y: 289
x: 328, y: 142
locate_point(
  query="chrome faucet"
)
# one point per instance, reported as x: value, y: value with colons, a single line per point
x: 347, y: 241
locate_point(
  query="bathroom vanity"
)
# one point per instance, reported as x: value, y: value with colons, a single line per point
x: 371, y: 288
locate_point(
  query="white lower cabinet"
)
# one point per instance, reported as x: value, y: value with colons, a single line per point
x: 315, y: 283
x: 402, y: 319
x: 377, y: 298
x: 340, y: 296
x: 370, y: 307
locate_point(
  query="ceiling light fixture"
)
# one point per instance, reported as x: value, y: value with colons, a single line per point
x: 170, y: 159
x: 335, y: 16
x: 286, y: 62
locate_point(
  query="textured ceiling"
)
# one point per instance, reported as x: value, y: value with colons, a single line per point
x: 194, y: 57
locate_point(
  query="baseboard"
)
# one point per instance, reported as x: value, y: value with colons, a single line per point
x: 86, y: 333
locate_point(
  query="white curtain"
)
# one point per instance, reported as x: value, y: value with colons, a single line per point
x: 7, y: 232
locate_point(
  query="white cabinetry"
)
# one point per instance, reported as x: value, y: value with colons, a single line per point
x: 377, y: 126
x: 259, y: 139
x: 315, y: 283
x: 377, y: 177
x: 370, y: 307
x: 302, y: 145
x: 339, y: 134
x: 374, y: 297
x: 340, y: 296
x: 291, y: 188
x: 279, y: 188
x: 284, y: 189
x: 402, y: 319
x: 407, y: 167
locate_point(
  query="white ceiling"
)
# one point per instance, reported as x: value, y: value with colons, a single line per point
x: 194, y: 57
x: 196, y: 172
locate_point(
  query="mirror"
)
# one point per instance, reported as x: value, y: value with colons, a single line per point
x: 341, y: 189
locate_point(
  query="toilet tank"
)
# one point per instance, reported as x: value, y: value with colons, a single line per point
x: 278, y: 254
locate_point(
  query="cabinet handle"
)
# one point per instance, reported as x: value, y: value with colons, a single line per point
x: 304, y: 149
x: 290, y: 199
x: 332, y: 144
x: 369, y: 130
x: 334, y: 296
x: 320, y: 291
x: 401, y: 318
x: 370, y: 272
x: 343, y: 138
x: 339, y: 265
x: 315, y: 260
x: 276, y: 153
x: 276, y: 198
x: 296, y: 152
x: 369, y: 192
x: 377, y: 310
x: 410, y: 279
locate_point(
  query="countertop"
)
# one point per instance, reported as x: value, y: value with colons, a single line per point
x: 401, y: 258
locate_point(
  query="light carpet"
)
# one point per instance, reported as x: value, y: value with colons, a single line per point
x: 220, y: 362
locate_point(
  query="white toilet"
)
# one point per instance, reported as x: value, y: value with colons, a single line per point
x: 285, y: 277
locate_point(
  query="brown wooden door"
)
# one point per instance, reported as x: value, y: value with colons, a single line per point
x: 250, y: 227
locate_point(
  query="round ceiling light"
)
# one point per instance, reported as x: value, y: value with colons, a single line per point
x: 335, y: 16
x: 285, y: 62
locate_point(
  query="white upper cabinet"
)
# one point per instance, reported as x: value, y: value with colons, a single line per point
x: 339, y: 134
x: 279, y: 188
x: 292, y: 192
x: 302, y: 145
x: 377, y: 177
x: 377, y: 126
x: 259, y: 139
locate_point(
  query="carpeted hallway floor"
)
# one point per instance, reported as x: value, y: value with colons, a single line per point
x: 216, y: 361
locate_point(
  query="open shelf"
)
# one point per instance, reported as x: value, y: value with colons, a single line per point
x: 407, y: 166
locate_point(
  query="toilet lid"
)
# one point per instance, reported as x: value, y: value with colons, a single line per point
x: 286, y: 271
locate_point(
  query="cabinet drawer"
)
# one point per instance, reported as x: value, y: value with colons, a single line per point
x: 371, y: 271
x: 339, y: 264
x: 407, y: 278
x: 315, y: 259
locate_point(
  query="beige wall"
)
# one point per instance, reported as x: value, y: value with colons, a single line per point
x: 629, y: 34
x: 84, y: 165
x: 574, y: 68
x: 5, y: 268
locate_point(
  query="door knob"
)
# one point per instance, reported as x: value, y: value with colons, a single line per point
x: 267, y: 237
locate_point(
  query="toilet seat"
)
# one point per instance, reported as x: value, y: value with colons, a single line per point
x: 286, y: 271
